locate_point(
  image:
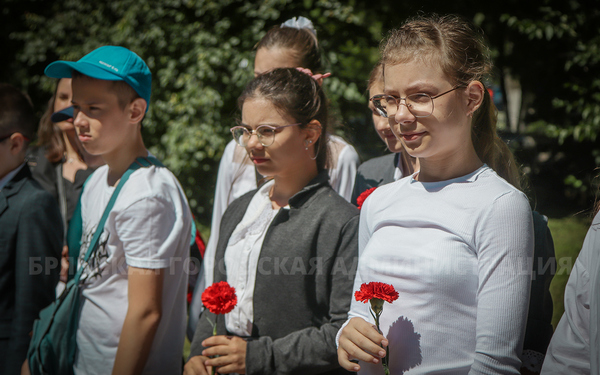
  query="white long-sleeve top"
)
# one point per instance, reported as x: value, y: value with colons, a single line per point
x: 458, y: 252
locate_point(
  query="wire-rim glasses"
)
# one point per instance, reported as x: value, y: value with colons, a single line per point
x: 419, y: 104
x: 5, y: 137
x: 265, y: 134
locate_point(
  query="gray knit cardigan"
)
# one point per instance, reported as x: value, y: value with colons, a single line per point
x: 303, y: 283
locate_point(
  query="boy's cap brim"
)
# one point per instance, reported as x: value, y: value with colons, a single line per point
x: 62, y: 115
x: 64, y: 69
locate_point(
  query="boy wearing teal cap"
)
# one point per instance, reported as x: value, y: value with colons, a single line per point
x: 133, y: 311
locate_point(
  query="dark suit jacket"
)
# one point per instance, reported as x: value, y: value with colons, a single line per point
x: 374, y: 173
x: 303, y: 283
x: 539, y: 318
x: 30, y: 247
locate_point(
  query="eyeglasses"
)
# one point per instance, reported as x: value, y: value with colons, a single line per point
x: 5, y: 137
x: 265, y: 134
x: 420, y: 104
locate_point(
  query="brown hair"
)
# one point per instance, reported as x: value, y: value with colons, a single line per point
x: 125, y: 93
x: 49, y: 135
x: 16, y: 112
x: 296, y: 95
x: 464, y: 57
x: 302, y: 43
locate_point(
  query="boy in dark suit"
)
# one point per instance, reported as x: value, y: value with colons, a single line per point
x: 30, y: 233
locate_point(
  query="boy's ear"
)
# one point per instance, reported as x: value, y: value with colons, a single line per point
x: 138, y: 110
x: 313, y: 131
x: 17, y: 143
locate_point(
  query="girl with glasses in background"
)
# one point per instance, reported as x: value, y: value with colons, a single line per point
x: 454, y: 239
x: 384, y: 169
x: 288, y: 247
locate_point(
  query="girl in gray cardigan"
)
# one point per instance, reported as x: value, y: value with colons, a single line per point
x: 288, y: 248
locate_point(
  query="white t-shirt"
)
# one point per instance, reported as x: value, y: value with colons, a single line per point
x: 236, y: 177
x: 148, y: 227
x: 458, y: 254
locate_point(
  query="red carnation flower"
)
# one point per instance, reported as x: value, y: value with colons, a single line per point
x: 363, y: 196
x: 382, y: 291
x: 219, y: 298
x: 376, y: 293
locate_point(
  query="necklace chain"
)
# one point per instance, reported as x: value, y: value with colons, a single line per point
x: 70, y: 159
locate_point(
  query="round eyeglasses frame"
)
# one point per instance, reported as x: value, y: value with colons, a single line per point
x: 264, y: 140
x: 383, y: 112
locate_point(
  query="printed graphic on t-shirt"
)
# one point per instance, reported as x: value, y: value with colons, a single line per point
x: 98, y: 260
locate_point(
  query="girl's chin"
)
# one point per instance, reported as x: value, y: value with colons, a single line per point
x: 265, y: 172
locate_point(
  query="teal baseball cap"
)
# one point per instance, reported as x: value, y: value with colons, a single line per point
x: 111, y: 63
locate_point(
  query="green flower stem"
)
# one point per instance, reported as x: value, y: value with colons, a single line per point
x: 214, y: 325
x: 376, y: 310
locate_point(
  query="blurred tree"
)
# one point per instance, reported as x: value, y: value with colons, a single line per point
x: 553, y: 47
x: 201, y: 55
x: 559, y: 63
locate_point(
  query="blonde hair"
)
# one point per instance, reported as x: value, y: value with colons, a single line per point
x: 463, y: 56
x: 376, y: 76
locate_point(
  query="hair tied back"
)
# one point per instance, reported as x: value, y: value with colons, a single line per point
x: 300, y: 23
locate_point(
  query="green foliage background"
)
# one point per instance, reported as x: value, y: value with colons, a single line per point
x: 201, y: 53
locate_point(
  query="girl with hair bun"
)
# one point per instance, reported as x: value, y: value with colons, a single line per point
x: 288, y: 247
x: 294, y: 44
x: 455, y: 238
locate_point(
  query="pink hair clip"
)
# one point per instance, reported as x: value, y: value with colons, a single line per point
x: 316, y: 77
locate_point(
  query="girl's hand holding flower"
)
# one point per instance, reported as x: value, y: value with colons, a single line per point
x: 360, y: 340
x: 227, y: 354
x: 219, y: 299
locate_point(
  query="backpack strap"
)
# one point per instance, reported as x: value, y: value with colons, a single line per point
x: 62, y: 198
x: 74, y: 233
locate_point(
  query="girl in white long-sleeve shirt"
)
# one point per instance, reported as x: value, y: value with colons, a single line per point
x: 454, y: 239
